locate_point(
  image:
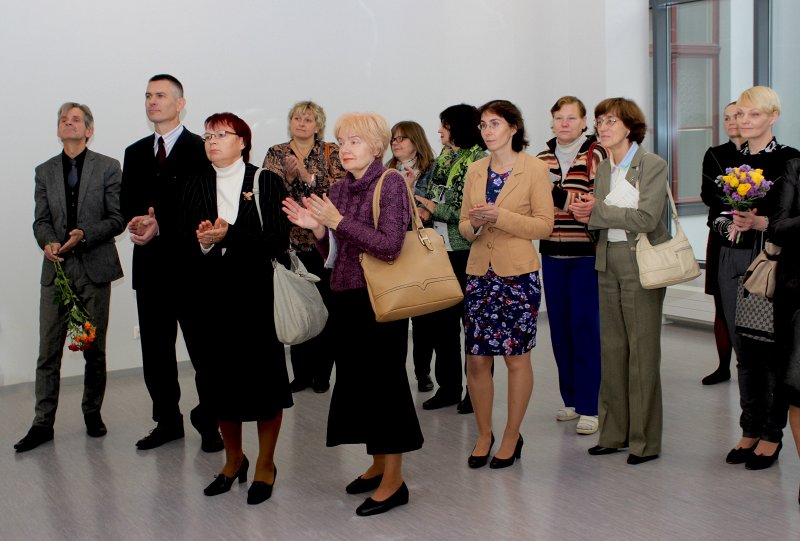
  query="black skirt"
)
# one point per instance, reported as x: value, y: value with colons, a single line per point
x: 371, y: 401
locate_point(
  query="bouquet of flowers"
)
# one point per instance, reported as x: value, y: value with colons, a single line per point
x: 742, y: 186
x: 80, y: 329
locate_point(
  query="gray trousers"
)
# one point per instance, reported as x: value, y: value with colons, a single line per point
x: 52, y: 337
x: 630, y: 410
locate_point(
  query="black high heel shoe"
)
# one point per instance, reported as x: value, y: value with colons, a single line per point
x: 260, y: 491
x: 762, y: 462
x: 479, y: 461
x: 498, y: 463
x: 222, y: 483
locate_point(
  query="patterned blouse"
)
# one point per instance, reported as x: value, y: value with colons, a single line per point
x: 446, y: 189
x: 322, y: 161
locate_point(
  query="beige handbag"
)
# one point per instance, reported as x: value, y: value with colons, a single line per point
x: 759, y: 278
x: 419, y: 281
x: 669, y: 263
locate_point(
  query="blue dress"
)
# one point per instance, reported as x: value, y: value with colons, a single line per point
x: 501, y: 311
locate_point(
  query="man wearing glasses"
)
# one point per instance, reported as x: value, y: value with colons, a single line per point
x: 154, y: 172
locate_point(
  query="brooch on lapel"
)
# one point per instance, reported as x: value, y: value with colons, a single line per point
x: 247, y: 195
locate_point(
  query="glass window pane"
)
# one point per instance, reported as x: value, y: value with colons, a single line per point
x: 785, y: 75
x: 694, y: 85
x: 694, y: 23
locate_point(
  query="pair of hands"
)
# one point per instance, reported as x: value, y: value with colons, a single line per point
x: 53, y: 249
x: 482, y: 214
x: 143, y: 228
x: 745, y: 220
x: 316, y: 213
x: 581, y: 207
x: 294, y: 168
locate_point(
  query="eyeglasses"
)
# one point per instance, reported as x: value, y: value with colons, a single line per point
x: 494, y: 124
x: 399, y: 139
x: 608, y: 121
x: 207, y: 137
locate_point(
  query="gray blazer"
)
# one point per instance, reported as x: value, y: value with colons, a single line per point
x: 99, y: 214
x: 651, y: 173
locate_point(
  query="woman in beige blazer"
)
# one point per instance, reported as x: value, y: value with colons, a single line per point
x: 507, y: 204
x: 631, y: 195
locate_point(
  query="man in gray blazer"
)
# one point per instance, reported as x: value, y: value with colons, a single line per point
x: 77, y: 216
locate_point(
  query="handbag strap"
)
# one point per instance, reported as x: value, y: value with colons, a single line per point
x: 416, y: 220
x: 256, y: 190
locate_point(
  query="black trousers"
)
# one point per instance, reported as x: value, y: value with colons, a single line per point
x: 160, y: 310
x: 312, y: 361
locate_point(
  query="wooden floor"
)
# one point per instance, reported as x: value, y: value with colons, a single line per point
x: 104, y: 489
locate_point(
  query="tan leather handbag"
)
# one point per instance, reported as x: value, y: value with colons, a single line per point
x: 759, y: 278
x: 669, y: 263
x: 419, y: 281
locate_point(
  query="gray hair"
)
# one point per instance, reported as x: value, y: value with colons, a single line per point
x: 88, y: 118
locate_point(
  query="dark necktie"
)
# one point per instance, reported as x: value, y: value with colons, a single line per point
x: 161, y: 155
x: 72, y: 178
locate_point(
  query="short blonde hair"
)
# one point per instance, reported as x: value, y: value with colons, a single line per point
x: 314, y: 109
x: 371, y: 127
x: 762, y: 97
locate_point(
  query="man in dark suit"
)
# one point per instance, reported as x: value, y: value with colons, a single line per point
x: 154, y: 172
x: 77, y: 216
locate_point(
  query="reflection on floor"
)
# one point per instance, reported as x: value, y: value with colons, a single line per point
x: 81, y: 488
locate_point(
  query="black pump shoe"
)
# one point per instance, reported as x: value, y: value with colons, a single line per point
x: 260, y: 491
x: 498, y: 463
x: 478, y: 461
x: 762, y: 462
x: 371, y: 507
x: 740, y: 455
x: 361, y: 485
x: 222, y: 483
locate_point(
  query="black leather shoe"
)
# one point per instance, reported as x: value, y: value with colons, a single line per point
x: 465, y: 406
x: 740, y: 455
x: 298, y: 385
x: 160, y: 435
x: 424, y: 384
x: 478, y: 461
x: 222, y: 483
x: 762, y: 462
x: 717, y: 376
x: 498, y: 463
x: 371, y: 507
x: 438, y: 401
x: 636, y: 459
x: 211, y: 441
x: 321, y: 386
x: 260, y: 491
x: 36, y: 436
x: 95, y: 427
x: 361, y: 485
x: 600, y: 450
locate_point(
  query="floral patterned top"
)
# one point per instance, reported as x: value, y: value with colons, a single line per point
x: 446, y: 189
x: 323, y: 162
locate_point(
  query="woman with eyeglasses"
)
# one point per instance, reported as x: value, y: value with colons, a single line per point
x: 507, y: 204
x: 630, y: 195
x: 760, y: 367
x: 568, y: 264
x: 371, y: 402
x: 236, y: 249
x: 441, y: 204
x: 308, y: 165
x: 413, y: 157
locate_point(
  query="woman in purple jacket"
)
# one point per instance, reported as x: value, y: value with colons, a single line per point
x: 371, y: 400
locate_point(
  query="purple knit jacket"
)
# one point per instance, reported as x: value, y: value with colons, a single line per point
x: 356, y: 232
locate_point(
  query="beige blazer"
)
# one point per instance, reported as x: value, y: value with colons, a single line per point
x: 525, y: 206
x: 651, y: 172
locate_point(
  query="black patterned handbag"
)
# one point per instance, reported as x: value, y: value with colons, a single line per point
x: 755, y: 315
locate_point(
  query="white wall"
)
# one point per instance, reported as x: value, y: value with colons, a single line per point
x: 406, y: 60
